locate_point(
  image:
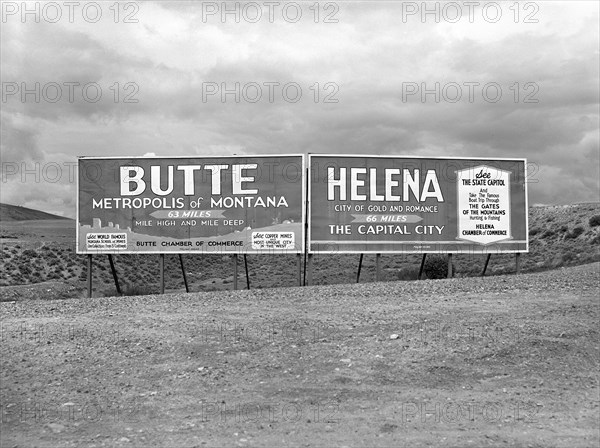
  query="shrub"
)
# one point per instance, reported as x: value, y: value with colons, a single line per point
x: 563, y: 228
x: 534, y: 231
x: 575, y: 232
x: 436, y: 266
x: 595, y: 221
x: 547, y: 234
x: 556, y: 262
x: 409, y: 273
x: 30, y: 253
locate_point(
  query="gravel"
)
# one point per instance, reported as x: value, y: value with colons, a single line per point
x: 526, y: 343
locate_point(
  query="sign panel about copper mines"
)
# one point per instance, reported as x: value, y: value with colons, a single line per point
x: 237, y: 204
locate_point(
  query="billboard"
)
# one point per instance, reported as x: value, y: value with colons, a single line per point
x: 235, y: 204
x: 392, y: 204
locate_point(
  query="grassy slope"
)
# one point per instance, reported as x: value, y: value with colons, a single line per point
x: 10, y: 213
x: 41, y: 251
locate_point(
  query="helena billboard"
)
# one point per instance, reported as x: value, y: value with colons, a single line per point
x: 237, y: 204
x: 392, y: 204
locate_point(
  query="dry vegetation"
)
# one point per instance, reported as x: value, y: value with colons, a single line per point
x: 34, y: 252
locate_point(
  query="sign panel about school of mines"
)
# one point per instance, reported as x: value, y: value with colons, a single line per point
x: 237, y: 204
x: 393, y: 204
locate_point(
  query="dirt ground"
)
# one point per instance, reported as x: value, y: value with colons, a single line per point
x: 497, y: 361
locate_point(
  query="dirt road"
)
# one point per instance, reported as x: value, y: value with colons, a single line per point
x: 499, y: 361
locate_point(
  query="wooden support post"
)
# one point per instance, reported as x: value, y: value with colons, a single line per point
x: 89, y: 276
x: 114, y: 273
x: 305, y: 267
x: 449, y: 265
x: 359, y: 268
x: 487, y: 260
x: 518, y: 262
x: 377, y: 267
x: 235, y: 272
x: 247, y: 276
x: 307, y: 256
x: 161, y: 267
x: 309, y: 270
x: 422, y: 267
x: 187, y: 289
x: 299, y: 266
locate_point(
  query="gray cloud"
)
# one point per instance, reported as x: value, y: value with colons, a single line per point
x: 369, y: 55
x: 19, y: 139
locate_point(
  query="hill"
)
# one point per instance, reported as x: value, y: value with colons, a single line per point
x: 10, y: 212
x: 44, y: 251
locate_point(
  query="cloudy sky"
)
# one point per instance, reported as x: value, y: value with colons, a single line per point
x: 468, y: 79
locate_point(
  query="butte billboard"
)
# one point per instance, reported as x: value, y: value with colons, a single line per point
x: 393, y: 204
x: 237, y: 204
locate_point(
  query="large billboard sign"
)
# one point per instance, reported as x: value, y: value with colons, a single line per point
x: 237, y: 204
x: 391, y: 204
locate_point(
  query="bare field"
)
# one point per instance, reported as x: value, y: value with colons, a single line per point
x: 498, y: 361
